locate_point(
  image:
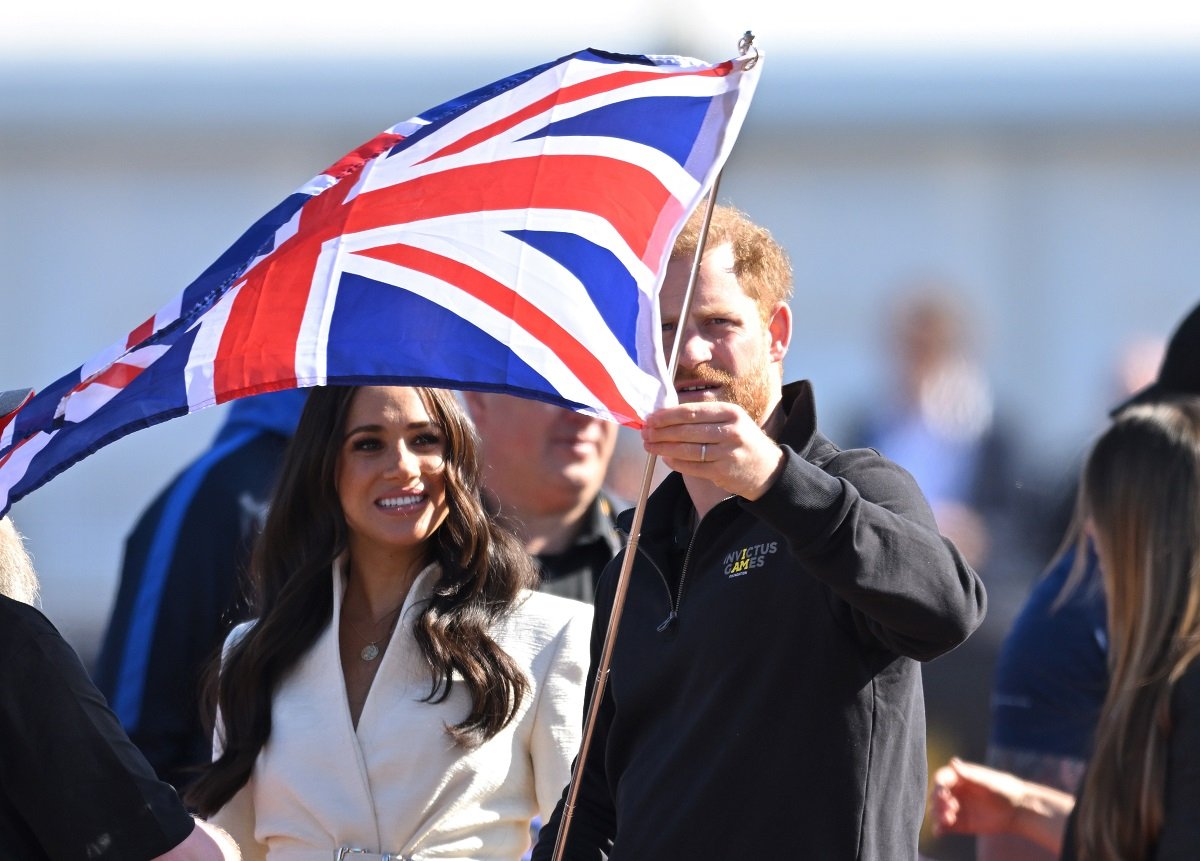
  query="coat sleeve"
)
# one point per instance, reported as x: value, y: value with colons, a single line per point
x: 593, y: 823
x: 559, y: 708
x: 237, y: 815
x: 862, y: 526
x: 237, y: 818
x: 70, y: 772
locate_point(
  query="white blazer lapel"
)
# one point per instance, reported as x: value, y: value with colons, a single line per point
x: 312, y: 730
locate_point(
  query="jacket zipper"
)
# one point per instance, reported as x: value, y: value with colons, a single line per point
x: 683, y: 571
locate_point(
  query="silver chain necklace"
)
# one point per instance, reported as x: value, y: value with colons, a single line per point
x: 371, y: 650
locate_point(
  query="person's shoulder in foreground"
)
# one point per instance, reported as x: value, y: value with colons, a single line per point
x: 74, y: 786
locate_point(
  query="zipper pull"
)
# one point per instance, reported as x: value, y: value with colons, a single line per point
x: 668, y: 622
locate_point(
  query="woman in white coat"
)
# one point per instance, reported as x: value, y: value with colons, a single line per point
x: 403, y: 692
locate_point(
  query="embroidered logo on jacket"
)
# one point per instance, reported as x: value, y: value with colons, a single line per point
x: 740, y: 562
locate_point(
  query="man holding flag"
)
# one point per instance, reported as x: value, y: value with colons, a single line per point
x: 764, y: 697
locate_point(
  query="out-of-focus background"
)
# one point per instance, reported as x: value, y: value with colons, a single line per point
x: 991, y: 213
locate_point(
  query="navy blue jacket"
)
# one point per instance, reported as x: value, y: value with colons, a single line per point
x: 181, y: 584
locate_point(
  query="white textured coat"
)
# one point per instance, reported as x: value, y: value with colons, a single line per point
x: 398, y: 783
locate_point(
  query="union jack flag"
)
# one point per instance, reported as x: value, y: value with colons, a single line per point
x: 511, y: 240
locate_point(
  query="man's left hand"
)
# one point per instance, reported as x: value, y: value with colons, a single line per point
x: 716, y: 441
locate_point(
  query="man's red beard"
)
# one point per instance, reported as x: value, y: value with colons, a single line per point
x: 750, y: 392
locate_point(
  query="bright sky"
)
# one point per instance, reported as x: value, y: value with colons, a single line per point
x: 228, y: 29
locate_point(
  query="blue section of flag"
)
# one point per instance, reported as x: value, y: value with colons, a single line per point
x: 259, y: 239
x: 449, y: 109
x: 595, y: 55
x: 39, y: 412
x: 382, y: 333
x: 609, y: 284
x: 640, y: 121
x: 157, y: 394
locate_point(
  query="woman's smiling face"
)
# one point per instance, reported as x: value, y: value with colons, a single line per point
x: 390, y: 474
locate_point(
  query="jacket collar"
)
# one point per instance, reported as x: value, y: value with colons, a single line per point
x: 600, y: 520
x: 800, y: 427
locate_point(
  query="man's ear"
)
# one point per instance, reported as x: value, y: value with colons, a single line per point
x: 779, y: 328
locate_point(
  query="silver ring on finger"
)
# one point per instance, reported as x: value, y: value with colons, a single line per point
x: 703, y: 452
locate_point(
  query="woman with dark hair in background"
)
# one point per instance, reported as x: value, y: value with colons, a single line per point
x: 1140, y: 498
x: 402, y: 690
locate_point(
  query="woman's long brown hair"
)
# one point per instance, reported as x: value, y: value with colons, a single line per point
x: 1141, y: 492
x: 483, y: 570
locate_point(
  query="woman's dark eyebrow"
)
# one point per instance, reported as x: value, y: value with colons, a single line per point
x: 363, y: 429
x: 379, y: 428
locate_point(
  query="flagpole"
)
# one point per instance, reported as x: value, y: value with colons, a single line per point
x: 635, y: 531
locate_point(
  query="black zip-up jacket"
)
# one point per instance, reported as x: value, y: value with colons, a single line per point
x: 764, y: 699
x: 72, y: 785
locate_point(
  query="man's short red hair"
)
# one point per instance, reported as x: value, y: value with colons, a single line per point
x: 759, y: 263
